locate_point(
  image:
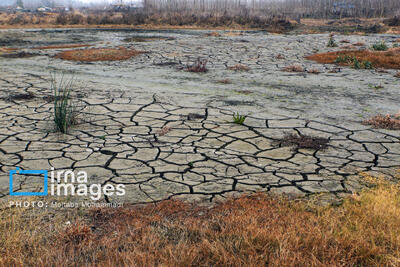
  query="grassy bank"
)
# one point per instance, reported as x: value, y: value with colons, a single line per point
x: 255, y: 230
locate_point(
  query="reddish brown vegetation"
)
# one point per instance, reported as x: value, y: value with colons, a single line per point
x: 258, y: 230
x: 7, y: 49
x: 379, y: 59
x: 213, y: 34
x: 384, y: 122
x: 239, y: 67
x: 200, y: 65
x: 314, y: 71
x: 62, y: 46
x: 98, y: 54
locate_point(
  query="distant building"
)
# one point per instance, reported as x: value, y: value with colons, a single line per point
x: 44, y: 9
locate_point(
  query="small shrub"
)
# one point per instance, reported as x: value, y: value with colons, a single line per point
x: 356, y: 64
x: 384, y: 122
x: 380, y: 46
x: 304, y: 142
x: 367, y: 65
x: 239, y: 119
x: 332, y: 42
x: 239, y: 67
x: 294, y: 68
x: 200, y: 65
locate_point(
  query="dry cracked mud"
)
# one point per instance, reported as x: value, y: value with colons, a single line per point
x: 165, y: 133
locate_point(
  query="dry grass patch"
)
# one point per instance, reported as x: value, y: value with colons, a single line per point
x: 213, y: 34
x: 98, y: 54
x: 61, y: 46
x: 7, y: 49
x: 390, y: 122
x: 239, y: 67
x: 379, y: 59
x: 314, y: 71
x: 255, y: 230
x: 293, y: 68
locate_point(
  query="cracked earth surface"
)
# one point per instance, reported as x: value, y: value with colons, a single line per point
x: 121, y: 136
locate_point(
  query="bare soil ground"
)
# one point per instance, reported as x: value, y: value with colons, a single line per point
x: 165, y: 132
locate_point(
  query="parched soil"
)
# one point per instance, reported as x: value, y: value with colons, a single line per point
x: 98, y: 54
x: 380, y: 59
x: 61, y: 46
x: 166, y: 132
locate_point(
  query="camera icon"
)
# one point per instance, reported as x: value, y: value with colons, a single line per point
x: 43, y: 175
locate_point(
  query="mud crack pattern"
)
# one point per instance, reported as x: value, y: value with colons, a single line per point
x: 161, y: 150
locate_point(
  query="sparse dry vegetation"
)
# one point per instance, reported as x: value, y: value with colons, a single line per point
x: 225, y: 81
x: 388, y: 121
x: 380, y: 59
x: 314, y: 71
x: 303, y: 142
x: 199, y: 66
x: 251, y: 230
x: 213, y: 34
x: 293, y: 68
x: 239, y: 67
x: 98, y: 54
x: 21, y: 54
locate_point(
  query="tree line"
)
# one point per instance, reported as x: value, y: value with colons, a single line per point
x: 291, y: 8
